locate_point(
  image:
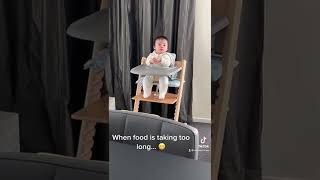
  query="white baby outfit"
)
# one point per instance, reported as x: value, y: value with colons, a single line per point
x: 166, y: 61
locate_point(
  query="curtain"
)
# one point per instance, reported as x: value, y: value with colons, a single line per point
x: 241, y: 155
x: 6, y: 75
x: 34, y: 71
x: 134, y: 26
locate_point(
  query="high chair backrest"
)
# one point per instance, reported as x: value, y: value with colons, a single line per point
x: 181, y: 64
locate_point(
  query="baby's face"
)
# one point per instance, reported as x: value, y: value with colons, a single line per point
x: 161, y: 46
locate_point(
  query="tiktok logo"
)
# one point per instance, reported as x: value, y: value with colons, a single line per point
x: 203, y: 140
x: 203, y: 146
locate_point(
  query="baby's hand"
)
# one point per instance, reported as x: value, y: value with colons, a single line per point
x: 155, y: 61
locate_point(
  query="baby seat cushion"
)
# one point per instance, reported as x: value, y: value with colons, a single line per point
x: 173, y: 80
x: 98, y: 61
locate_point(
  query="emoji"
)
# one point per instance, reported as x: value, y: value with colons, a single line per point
x: 162, y: 146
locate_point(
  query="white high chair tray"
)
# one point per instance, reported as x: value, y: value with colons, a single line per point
x: 154, y: 70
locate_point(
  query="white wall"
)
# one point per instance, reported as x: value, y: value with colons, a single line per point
x: 202, y: 62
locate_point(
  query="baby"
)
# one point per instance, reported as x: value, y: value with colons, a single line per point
x: 159, y: 57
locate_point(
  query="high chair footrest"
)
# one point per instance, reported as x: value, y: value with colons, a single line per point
x: 170, y: 98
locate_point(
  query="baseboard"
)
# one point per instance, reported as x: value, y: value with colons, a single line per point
x: 112, y: 103
x: 201, y: 120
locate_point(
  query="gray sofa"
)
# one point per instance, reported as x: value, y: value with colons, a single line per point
x: 128, y: 123
x: 9, y: 132
x: 17, y: 166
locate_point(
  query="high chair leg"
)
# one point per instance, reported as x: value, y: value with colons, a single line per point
x: 177, y: 111
x: 136, y: 106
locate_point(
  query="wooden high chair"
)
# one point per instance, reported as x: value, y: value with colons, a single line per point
x: 96, y: 105
x: 170, y: 98
x: 231, y: 9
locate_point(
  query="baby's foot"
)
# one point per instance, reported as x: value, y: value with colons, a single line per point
x: 162, y: 96
x: 146, y: 95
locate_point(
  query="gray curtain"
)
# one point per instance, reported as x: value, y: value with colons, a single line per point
x: 6, y: 75
x: 49, y: 30
x: 34, y: 73
x: 134, y: 25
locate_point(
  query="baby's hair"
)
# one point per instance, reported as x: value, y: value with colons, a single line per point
x: 160, y: 37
